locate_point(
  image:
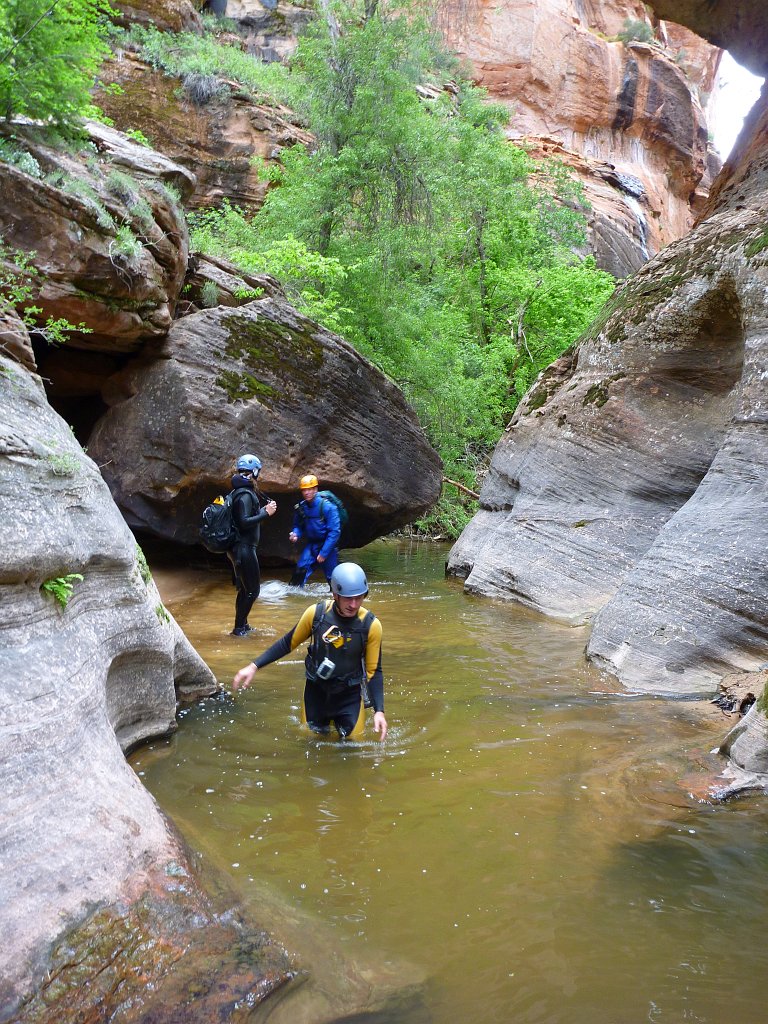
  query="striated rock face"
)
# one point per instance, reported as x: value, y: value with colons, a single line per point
x: 167, y: 15
x: 109, y: 241
x: 80, y: 684
x: 741, y: 28
x: 215, y: 137
x: 260, y: 378
x: 271, y: 28
x: 631, y: 484
x: 627, y: 118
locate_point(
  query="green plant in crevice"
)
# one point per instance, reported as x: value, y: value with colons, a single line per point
x: 635, y: 30
x: 209, y: 295
x: 60, y: 587
x: 166, y: 189
x: 125, y: 248
x: 17, y: 275
x: 63, y: 463
x: 162, y: 613
x: 138, y: 136
x: 13, y: 154
x: 143, y: 568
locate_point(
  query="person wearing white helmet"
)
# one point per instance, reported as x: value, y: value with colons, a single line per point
x: 249, y: 510
x: 343, y: 662
x: 317, y: 522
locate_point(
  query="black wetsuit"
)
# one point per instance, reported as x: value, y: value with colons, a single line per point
x: 248, y: 513
x: 358, y: 658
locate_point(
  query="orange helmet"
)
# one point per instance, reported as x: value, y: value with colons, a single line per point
x: 310, y: 480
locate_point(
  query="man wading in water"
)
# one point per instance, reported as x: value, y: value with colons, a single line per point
x: 317, y: 521
x: 344, y: 658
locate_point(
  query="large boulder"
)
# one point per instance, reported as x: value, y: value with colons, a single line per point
x: 260, y: 378
x: 105, y: 234
x: 632, y: 484
x: 91, y: 664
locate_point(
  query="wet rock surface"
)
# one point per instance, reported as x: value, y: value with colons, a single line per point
x: 260, y: 378
x: 92, y: 664
x: 630, y: 487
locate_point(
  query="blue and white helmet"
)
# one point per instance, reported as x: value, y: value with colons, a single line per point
x: 348, y: 580
x: 250, y: 463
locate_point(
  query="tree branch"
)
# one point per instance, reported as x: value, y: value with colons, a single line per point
x: 461, y: 487
x: 31, y: 28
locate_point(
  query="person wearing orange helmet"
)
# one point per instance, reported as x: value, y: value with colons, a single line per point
x: 317, y: 522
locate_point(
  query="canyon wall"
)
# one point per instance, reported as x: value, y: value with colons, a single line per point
x: 628, y: 118
x: 630, y: 487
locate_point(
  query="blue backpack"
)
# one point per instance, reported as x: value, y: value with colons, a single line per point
x: 334, y: 500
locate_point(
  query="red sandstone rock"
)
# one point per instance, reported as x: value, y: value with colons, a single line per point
x: 574, y: 90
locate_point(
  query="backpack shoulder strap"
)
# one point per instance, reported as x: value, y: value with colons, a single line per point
x: 235, y: 491
x: 320, y: 609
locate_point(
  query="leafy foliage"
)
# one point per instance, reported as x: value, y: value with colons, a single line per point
x: 50, y: 52
x: 17, y: 275
x: 60, y: 587
x: 442, y: 252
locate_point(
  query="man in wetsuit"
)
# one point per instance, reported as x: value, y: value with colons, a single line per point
x: 317, y: 522
x: 344, y: 658
x: 249, y: 510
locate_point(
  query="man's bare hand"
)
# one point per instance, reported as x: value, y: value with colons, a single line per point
x: 244, y: 677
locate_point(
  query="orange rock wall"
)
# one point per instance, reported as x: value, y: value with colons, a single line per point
x: 605, y: 108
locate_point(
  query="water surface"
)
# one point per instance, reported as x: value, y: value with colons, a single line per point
x: 522, y: 848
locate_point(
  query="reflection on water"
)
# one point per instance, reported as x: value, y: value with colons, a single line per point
x: 520, y: 849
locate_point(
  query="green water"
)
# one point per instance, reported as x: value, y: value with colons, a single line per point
x: 522, y: 848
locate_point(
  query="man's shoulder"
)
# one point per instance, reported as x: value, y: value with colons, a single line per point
x: 366, y: 616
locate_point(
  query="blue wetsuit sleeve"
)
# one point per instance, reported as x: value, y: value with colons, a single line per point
x: 333, y: 525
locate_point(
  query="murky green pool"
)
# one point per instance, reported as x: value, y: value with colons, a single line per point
x: 522, y: 848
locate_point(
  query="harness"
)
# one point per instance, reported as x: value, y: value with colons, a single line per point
x: 301, y: 508
x: 348, y: 657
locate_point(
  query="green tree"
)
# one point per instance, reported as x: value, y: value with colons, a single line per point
x: 50, y: 52
x: 442, y: 252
